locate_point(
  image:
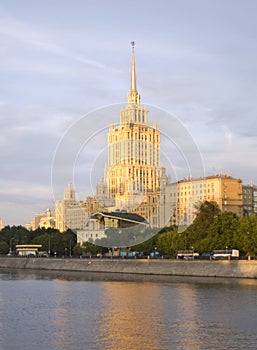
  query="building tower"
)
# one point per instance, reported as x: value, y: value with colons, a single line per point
x: 69, y: 212
x: 133, y: 172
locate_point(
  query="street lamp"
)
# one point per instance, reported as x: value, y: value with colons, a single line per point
x: 228, y: 256
x: 49, y: 246
x: 10, y: 251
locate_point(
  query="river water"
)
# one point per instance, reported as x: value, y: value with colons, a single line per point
x: 73, y: 311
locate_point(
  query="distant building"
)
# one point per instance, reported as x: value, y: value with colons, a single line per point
x: 93, y: 230
x: 1, y: 224
x: 47, y: 220
x: 43, y: 220
x: 249, y: 199
x: 99, y: 222
x: 183, y: 197
x: 102, y: 197
x: 92, y: 205
x: 69, y: 212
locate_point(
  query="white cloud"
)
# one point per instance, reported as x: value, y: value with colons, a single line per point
x: 22, y: 32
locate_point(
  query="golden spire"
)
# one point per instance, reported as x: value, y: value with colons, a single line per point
x: 133, y: 96
x: 133, y: 83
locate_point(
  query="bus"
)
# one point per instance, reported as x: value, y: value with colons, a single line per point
x: 28, y: 249
x: 187, y: 254
x: 225, y: 254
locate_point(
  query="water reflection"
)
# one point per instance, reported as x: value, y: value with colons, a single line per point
x: 132, y: 316
x: 185, y: 308
x: 23, y: 274
x: 73, y: 311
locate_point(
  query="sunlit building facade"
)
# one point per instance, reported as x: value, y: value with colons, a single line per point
x: 184, y: 197
x: 69, y: 212
x: 133, y: 174
x: 42, y: 220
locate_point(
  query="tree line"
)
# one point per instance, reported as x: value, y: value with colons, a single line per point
x: 211, y: 229
x: 52, y: 240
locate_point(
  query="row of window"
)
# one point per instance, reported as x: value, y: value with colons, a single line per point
x: 212, y: 197
x: 181, y: 194
x: 191, y: 186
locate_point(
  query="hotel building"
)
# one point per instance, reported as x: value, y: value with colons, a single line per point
x: 134, y: 175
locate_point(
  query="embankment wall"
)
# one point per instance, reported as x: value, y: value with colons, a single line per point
x: 201, y: 268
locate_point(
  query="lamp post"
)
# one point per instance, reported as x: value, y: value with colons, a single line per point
x: 49, y: 246
x: 70, y: 248
x: 193, y: 252
x: 185, y: 241
x: 10, y: 251
x: 228, y: 257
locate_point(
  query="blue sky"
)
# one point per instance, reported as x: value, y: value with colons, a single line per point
x: 62, y: 59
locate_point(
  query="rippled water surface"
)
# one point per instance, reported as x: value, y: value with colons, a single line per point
x: 100, y: 311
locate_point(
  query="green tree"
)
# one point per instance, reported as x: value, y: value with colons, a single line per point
x: 18, y: 234
x: 58, y: 243
x: 198, y: 231
x: 168, y: 243
x: 4, y: 248
x: 246, y: 235
x: 223, y: 232
x: 146, y: 247
x: 87, y: 249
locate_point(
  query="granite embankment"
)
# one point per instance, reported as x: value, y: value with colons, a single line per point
x: 202, y: 268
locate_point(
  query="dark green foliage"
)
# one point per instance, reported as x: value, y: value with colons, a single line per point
x: 207, y: 213
x: 51, y: 239
x: 145, y: 247
x: 223, y: 231
x: 4, y: 248
x: 211, y: 230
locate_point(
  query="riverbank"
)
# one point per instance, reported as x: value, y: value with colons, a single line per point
x: 199, y: 268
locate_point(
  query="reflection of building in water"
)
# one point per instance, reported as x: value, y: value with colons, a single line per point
x: 122, y: 325
x: 63, y: 318
x: 69, y: 212
x: 134, y: 176
x: 187, y: 329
